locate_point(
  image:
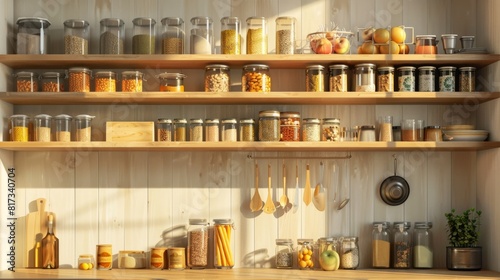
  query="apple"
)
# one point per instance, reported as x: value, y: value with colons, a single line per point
x: 381, y: 36
x: 341, y: 45
x: 360, y: 50
x: 367, y: 34
x: 404, y: 49
x: 329, y: 260
x: 368, y: 48
x: 321, y: 46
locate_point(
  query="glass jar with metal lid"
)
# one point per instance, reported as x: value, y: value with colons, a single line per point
x: 76, y: 36
x: 290, y: 126
x: 284, y: 253
x: 180, y: 130
x: 426, y: 78
x: 217, y: 78
x: 212, y: 130
x: 144, y: 38
x: 256, y: 78
x: 364, y: 75
x: 425, y: 44
x: 230, y: 36
x: 367, y: 133
x: 202, y: 35
x: 315, y: 78
x: 381, y: 245
x: 172, y: 82
x: 385, y: 79
x: 247, y: 130
x: 52, y: 82
x: 406, y: 78
x: 402, y: 245
x: 229, y: 132
x: 79, y: 79
x: 330, y: 130
x: 42, y: 124
x: 467, y: 79
x: 83, y: 128
x: 18, y: 128
x: 32, y: 35
x: 26, y: 81
x: 433, y: 133
x: 447, y: 78
x: 269, y: 125
x: 173, y: 36
x: 256, y: 35
x: 112, y: 39
x: 197, y: 248
x: 105, y: 81
x: 349, y: 252
x: 223, y: 252
x: 285, y: 35
x: 311, y: 130
x: 327, y: 243
x: 132, y: 81
x: 164, y: 130
x: 305, y: 254
x: 63, y: 128
x: 422, y: 247
x: 196, y: 130
x: 338, y: 78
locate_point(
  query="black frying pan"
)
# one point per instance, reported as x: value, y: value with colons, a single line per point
x: 394, y: 190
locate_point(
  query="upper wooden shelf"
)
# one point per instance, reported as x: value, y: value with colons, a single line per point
x: 191, y: 61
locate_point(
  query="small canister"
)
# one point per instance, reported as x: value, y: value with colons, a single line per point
x: 406, y: 78
x: 79, y: 79
x: 32, y: 35
x: 284, y: 253
x: 385, y: 79
x: 176, y: 258
x: 104, y: 256
x: 19, y: 128
x: 26, y: 81
x: 290, y: 126
x: 425, y: 44
x: 223, y: 253
x: 467, y: 79
x: 164, y: 130
x: 349, y: 253
x: 86, y: 262
x: 285, y: 35
x: 83, y: 128
x: 367, y: 133
x: 305, y: 253
x: 52, y: 82
x: 256, y: 78
x: 381, y: 245
x: 197, y: 250
x: 256, y: 35
x: 230, y: 35
x: 131, y: 259
x: 269, y: 125
x: 426, y: 78
x: 172, y: 82
x: 132, y: 81
x: 217, y: 78
x: 409, y: 130
x: 212, y: 130
x: 144, y: 38
x: 402, y: 245
x: 247, y: 130
x: 202, y: 35
x: 63, y: 128
x: 158, y: 258
x: 422, y: 247
x: 105, y: 81
x: 364, y: 75
x: 173, y: 36
x: 447, y: 78
x: 433, y: 133
x: 112, y: 39
x: 315, y: 78
x: 396, y: 133
x: 76, y: 36
x: 42, y: 124
x: 330, y: 130
x: 338, y: 78
x: 311, y: 130
x: 196, y: 130
x: 180, y: 130
x: 385, y: 129
x: 229, y: 132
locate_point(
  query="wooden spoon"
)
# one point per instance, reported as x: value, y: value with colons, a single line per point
x: 296, y: 200
x: 307, y: 188
x: 256, y: 202
x: 284, y: 198
x: 269, y: 207
x: 319, y: 191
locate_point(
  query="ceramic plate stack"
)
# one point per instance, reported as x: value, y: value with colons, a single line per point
x: 464, y: 133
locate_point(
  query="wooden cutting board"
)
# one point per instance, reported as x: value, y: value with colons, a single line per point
x: 36, y: 228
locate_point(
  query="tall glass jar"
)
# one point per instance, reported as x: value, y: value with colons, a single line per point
x: 406, y: 78
x: 76, y: 36
x: 217, y: 78
x: 290, y: 126
x: 422, y: 248
x: 164, y: 130
x: 364, y: 75
x: 285, y: 35
x: 269, y: 125
x: 330, y: 130
x: 202, y: 35
x: 402, y: 245
x: 229, y: 132
x: 32, y: 35
x: 315, y: 78
x: 112, y: 39
x: 83, y: 128
x: 42, y: 124
x: 381, y: 245
x: 212, y: 130
x: 144, y: 39
x: 222, y: 243
x: 256, y: 35
x: 467, y: 79
x: 52, y: 82
x: 173, y: 36
x: 230, y: 36
x: 326, y: 245
x: 305, y: 253
x: 196, y: 130
x: 447, y: 78
x: 255, y: 78
x: 180, y: 130
x: 385, y: 79
x: 311, y: 130
x: 338, y: 78
x: 247, y: 130
x: 284, y: 253
x: 349, y: 253
x: 19, y: 128
x: 426, y: 78
x: 197, y: 248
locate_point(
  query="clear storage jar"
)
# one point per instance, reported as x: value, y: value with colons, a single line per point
x: 311, y: 130
x: 105, y: 81
x: 402, y: 245
x: 367, y: 133
x: 112, y: 38
x: 396, y: 132
x: 349, y: 253
x: 409, y: 131
x: 196, y: 130
x: 171, y: 82
x: 255, y: 78
x: 164, y: 130
x: 43, y: 128
x: 76, y: 36
x: 328, y: 243
x: 247, y: 130
x: 406, y: 78
x: 422, y: 247
x: 132, y: 81
x: 197, y: 248
x: 433, y: 133
x: 447, y: 78
x: 330, y: 129
x: 426, y: 78
x: 285, y: 35
x: 315, y: 78
x: 212, y: 130
x: 173, y: 36
x: 385, y: 79
x: 364, y: 75
x: 385, y: 129
x: 269, y: 125
x: 217, y: 78
x: 52, y: 82
x: 144, y: 38
x: 63, y: 128
x: 202, y: 35
x: 83, y: 128
x: 305, y: 253
x: 230, y: 36
x: 229, y: 132
x: 79, y: 79
x: 425, y: 44
x: 19, y: 128
x: 338, y: 78
x: 381, y: 245
x: 86, y: 262
x: 223, y: 253
x: 256, y: 35
x: 26, y: 81
x: 290, y: 126
x: 284, y: 253
x: 32, y: 35
x: 180, y: 130
x: 467, y: 79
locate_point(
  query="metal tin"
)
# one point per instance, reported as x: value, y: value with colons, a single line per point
x: 104, y: 256
x: 447, y: 78
x: 158, y: 258
x: 176, y: 258
x: 406, y: 78
x: 426, y: 78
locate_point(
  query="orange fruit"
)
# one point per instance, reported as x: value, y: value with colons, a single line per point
x: 398, y: 34
x: 381, y: 36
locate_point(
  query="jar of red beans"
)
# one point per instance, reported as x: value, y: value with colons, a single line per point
x: 290, y: 126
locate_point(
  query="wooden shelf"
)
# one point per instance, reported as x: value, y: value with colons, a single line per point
x: 195, y: 61
x: 305, y: 98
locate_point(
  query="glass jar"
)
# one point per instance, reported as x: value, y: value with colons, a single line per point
x: 425, y: 44
x: 86, y: 262
x: 131, y: 259
x: 212, y: 130
x: 26, y: 81
x: 52, y: 82
x: 406, y: 78
x: 426, y: 78
x: 467, y: 79
x: 173, y: 36
x: 217, y: 78
x: 229, y: 133
x: 349, y: 253
x: 402, y: 245
x: 76, y: 36
x: 315, y: 78
x: 365, y: 77
x: 409, y: 130
x: 144, y: 38
x: 83, y: 128
x: 284, y: 253
x: 79, y: 79
x: 330, y: 130
x: 290, y: 126
x: 269, y: 125
x: 396, y: 133
x: 112, y: 38
x: 285, y: 35
x: 222, y: 243
x: 327, y: 243
x: 164, y: 130
x: 367, y: 133
x: 447, y: 78
x: 197, y: 250
x: 202, y: 35
x: 422, y: 248
x: 256, y: 35
x: 230, y: 36
x: 338, y: 78
x: 158, y: 258
x: 196, y: 130
x: 104, y: 256
x: 180, y: 130
x: 176, y: 258
x: 311, y: 130
x: 305, y: 254
x: 381, y: 245
x: 385, y: 79
x: 172, y: 82
x: 19, y: 128
x: 32, y: 35
x: 385, y: 129
x: 433, y: 133
x: 42, y: 124
x: 420, y: 124
x: 132, y: 81
x: 63, y: 128
x: 247, y: 130
x: 256, y: 78
x: 105, y: 81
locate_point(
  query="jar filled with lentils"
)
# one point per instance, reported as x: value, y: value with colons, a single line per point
x: 447, y: 78
x: 229, y: 132
x: 52, y: 82
x: 256, y: 78
x: 112, y: 39
x: 217, y: 78
x: 290, y: 126
x: 164, y: 130
x: 230, y: 36
x: 105, y: 81
x: 269, y: 125
x: 26, y: 81
x: 173, y: 35
x: 426, y: 78
x: 79, y: 79
x: 315, y: 78
x: 311, y: 130
x: 385, y: 79
x: 338, y: 78
x: 196, y: 130
x: 180, y: 127
x: 330, y: 130
x: 247, y: 130
x: 256, y: 35
x: 285, y: 35
x: 467, y: 79
x: 212, y: 130
x: 132, y: 81
x: 76, y: 36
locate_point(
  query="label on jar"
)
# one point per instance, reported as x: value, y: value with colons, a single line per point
x: 447, y: 83
x: 426, y: 83
x: 406, y: 83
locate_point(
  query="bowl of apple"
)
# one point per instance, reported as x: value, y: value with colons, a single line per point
x: 330, y: 42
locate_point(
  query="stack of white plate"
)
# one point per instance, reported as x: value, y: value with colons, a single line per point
x: 463, y: 133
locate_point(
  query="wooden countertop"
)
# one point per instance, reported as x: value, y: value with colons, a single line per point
x: 247, y: 273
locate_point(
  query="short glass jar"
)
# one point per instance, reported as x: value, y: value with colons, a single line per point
x: 197, y: 248
x: 338, y: 78
x: 381, y: 245
x: 32, y: 35
x: 180, y: 130
x: 112, y: 39
x: 402, y: 245
x: 385, y: 79
x: 202, y: 35
x: 364, y: 75
x: 164, y: 130
x: 284, y: 253
x: 409, y: 131
x: 229, y: 132
x: 217, y: 78
x: 105, y: 81
x: 223, y: 252
x: 83, y: 128
x: 349, y: 253
x: 330, y: 130
x: 42, y: 124
x: 447, y: 78
x: 406, y: 78
x: 76, y: 36
x: 230, y: 36
x: 367, y: 133
x: 305, y: 254
x: 19, y: 128
x: 311, y: 130
x: 196, y: 130
x: 256, y: 41
x: 86, y: 262
x: 290, y: 126
x: 212, y: 130
x: 433, y: 133
x: 79, y: 79
x: 269, y: 125
x: 173, y: 36
x: 256, y: 78
x: 26, y: 81
x: 285, y: 35
x: 132, y: 81
x: 396, y: 133
x: 315, y: 78
x: 144, y: 38
x: 425, y: 44
x: 247, y: 130
x: 63, y: 128
x: 467, y: 79
x: 171, y: 82
x: 422, y: 247
x: 52, y: 82
x: 426, y: 78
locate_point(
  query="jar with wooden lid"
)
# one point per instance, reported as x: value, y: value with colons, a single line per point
x: 172, y: 82
x: 285, y: 35
x: 290, y: 126
x: 381, y: 246
x: 269, y: 125
x: 247, y: 130
x: 79, y: 79
x: 315, y: 78
x: 42, y: 124
x: 197, y: 249
x: 230, y: 36
x: 223, y: 252
x: 52, y: 82
x: 256, y: 35
x: 112, y: 39
x: 105, y: 81
x: 180, y: 130
x: 338, y: 78
x: 217, y: 78
x: 164, y: 130
x: 255, y: 78
x: 212, y: 130
x: 173, y: 36
x: 26, y: 81
x: 19, y: 128
x: 385, y: 79
x: 83, y: 128
x: 132, y: 81
x: 196, y: 130
x: 76, y: 36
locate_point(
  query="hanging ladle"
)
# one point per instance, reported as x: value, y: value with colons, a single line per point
x: 256, y: 202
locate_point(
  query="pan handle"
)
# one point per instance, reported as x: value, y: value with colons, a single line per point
x: 395, y: 164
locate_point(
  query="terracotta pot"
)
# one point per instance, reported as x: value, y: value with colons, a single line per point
x: 464, y: 258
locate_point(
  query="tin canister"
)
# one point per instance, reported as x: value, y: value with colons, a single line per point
x: 104, y: 256
x: 158, y: 258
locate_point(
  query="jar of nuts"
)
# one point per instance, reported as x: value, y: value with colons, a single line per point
x: 105, y: 81
x: 338, y: 78
x: 52, y: 82
x: 330, y: 129
x: 256, y: 35
x: 79, y: 79
x: 256, y: 78
x: 230, y: 36
x: 173, y: 35
x: 315, y: 78
x: 132, y: 81
x: 217, y: 78
x: 26, y: 81
x: 172, y: 82
x: 385, y: 79
x: 269, y: 125
x: 290, y: 126
x: 164, y: 130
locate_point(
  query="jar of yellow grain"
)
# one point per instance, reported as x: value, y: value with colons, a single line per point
x: 105, y: 81
x: 230, y: 35
x: 19, y: 128
x: 79, y: 79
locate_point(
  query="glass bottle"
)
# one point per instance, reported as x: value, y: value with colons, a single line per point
x: 285, y: 35
x: 315, y: 78
x: 197, y: 248
x: 173, y: 36
x: 422, y: 249
x: 290, y: 126
x: 112, y: 39
x: 32, y: 35
x: 255, y: 78
x: 212, y: 130
x: 406, y: 78
x: 196, y: 130
x: 426, y: 78
x: 311, y: 130
x: 269, y: 125
x: 222, y: 243
x: 467, y: 79
x: 144, y: 39
x: 164, y: 130
x: 385, y: 79
x: 76, y: 36
x: 230, y: 36
x: 284, y: 253
x: 19, y: 128
x: 402, y: 245
x: 229, y: 133
x: 365, y: 77
x: 256, y: 35
x: 247, y: 130
x: 202, y: 35
x: 63, y: 128
x: 83, y: 128
x: 305, y: 259
x: 381, y: 245
x: 349, y: 253
x: 50, y: 246
x: 217, y: 78
x: 42, y: 124
x: 447, y: 78
x: 338, y: 78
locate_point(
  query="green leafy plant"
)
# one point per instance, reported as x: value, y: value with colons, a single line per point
x: 463, y: 229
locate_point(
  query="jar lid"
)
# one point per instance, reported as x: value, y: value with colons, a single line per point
x: 105, y: 73
x: 432, y: 37
x: 396, y: 127
x: 132, y: 73
x: 229, y: 121
x: 447, y: 68
x: 423, y: 225
x: 254, y: 19
x: 63, y: 117
x: 51, y: 75
x: 350, y: 239
x: 86, y: 256
x: 144, y: 21
x: 76, y: 23
x: 269, y: 113
x: 311, y: 120
x: 198, y: 121
x: 223, y: 221
x: 315, y: 67
x: 406, y: 68
x: 230, y: 20
x: 217, y: 67
x: 161, y: 120
x: 406, y: 225
x: 386, y: 68
x: 304, y: 241
x: 79, y: 69
x: 331, y: 120
x: 449, y: 35
x: 43, y: 116
x: 338, y: 66
x: 33, y: 22
x: 103, y: 245
x: 363, y: 65
x: 19, y: 116
x: 283, y: 241
x: 254, y: 67
x: 177, y: 76
x: 247, y: 121
x: 201, y: 20
x: 130, y: 252
x: 468, y: 37
x: 212, y: 121
x: 198, y: 222
x: 289, y: 115
x: 383, y: 224
x: 367, y: 127
x: 172, y: 21
x: 286, y: 20
x: 426, y: 68
x: 467, y: 68
x: 180, y: 121
x: 25, y: 74
x: 433, y: 127
x: 112, y: 22
x: 326, y: 239
x: 84, y: 117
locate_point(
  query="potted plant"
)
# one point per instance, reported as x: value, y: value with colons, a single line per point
x: 463, y: 234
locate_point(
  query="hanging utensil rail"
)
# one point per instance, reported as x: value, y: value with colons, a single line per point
x: 347, y: 156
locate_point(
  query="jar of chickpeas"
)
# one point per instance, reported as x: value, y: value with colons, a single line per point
x: 256, y: 78
x: 132, y: 81
x: 52, y: 82
x: 27, y: 82
x: 290, y: 126
x: 79, y: 79
x: 105, y: 81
